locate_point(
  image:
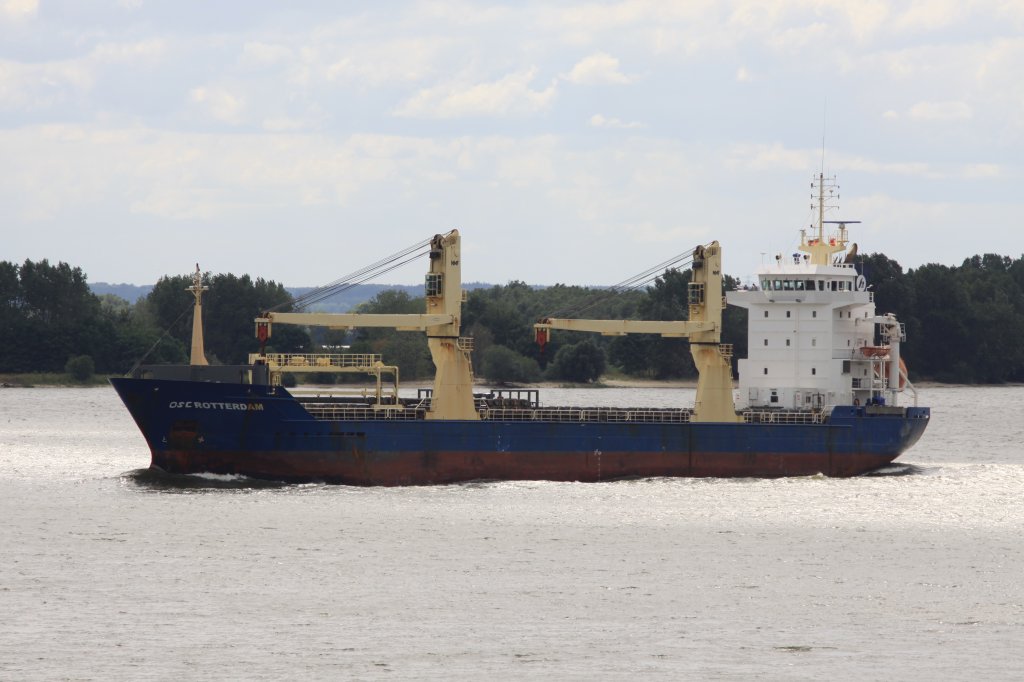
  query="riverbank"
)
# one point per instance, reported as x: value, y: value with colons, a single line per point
x: 63, y: 380
x: 50, y: 379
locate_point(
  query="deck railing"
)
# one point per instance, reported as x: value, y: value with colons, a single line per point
x: 588, y: 414
x: 321, y: 361
x: 335, y: 412
x: 785, y: 416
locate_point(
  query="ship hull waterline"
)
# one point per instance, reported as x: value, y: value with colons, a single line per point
x: 263, y: 432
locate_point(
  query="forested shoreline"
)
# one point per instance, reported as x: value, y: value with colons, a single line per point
x: 964, y: 324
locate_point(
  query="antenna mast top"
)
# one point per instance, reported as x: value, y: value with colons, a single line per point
x: 826, y: 198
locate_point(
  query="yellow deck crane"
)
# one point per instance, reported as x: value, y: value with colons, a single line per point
x: 453, y: 382
x: 713, y: 359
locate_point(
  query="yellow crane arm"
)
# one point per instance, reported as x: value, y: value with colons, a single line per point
x: 713, y: 360
x: 401, y: 322
x: 674, y: 328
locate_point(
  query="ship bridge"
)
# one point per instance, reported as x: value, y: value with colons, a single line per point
x: 813, y: 337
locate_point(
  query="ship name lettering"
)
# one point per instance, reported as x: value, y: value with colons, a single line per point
x: 189, y: 404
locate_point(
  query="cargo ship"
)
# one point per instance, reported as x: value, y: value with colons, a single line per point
x: 817, y: 393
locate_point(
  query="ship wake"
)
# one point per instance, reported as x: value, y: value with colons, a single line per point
x: 158, y: 480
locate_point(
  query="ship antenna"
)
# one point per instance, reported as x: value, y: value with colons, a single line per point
x: 824, y: 119
x: 821, y: 174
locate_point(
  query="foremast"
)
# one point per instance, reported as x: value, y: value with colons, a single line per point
x: 197, y: 356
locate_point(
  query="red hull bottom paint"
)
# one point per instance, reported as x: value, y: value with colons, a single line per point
x: 418, y: 468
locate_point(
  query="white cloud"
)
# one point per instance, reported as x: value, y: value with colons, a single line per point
x: 219, y: 103
x: 799, y: 39
x: 651, y: 233
x: 19, y: 9
x: 390, y: 61
x: 768, y: 157
x: 599, y: 121
x: 266, y: 54
x: 283, y: 124
x: 30, y: 87
x: 865, y: 165
x: 865, y: 17
x: 310, y: 81
x: 129, y: 52
x: 982, y: 170
x: 597, y: 69
x: 778, y: 157
x: 929, y: 15
x: 506, y: 96
x: 941, y: 111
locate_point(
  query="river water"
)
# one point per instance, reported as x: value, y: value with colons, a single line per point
x: 110, y: 572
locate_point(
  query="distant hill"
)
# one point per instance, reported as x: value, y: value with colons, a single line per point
x: 129, y: 292
x: 340, y: 303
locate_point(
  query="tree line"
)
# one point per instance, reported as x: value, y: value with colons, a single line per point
x: 964, y: 324
x: 51, y: 322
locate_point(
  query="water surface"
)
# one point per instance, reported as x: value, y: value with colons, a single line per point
x: 109, y: 571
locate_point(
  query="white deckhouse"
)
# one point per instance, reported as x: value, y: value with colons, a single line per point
x: 813, y: 338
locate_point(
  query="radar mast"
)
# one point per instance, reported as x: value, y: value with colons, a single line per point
x: 820, y: 247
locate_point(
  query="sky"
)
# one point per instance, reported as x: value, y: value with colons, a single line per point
x: 573, y: 142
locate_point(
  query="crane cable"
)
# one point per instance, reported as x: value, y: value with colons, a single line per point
x: 360, y: 276
x: 633, y: 283
x: 156, y: 343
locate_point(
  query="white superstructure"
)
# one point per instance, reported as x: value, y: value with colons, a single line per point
x: 813, y: 337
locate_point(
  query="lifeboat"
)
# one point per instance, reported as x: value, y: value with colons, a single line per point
x: 886, y: 365
x: 874, y: 351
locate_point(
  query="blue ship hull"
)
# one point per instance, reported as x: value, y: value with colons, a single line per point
x: 265, y: 432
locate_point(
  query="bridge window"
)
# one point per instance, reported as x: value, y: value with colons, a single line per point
x: 799, y: 284
x: 778, y: 285
x: 809, y: 284
x: 787, y: 285
x: 821, y: 285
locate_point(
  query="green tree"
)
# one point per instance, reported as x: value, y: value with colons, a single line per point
x: 582, y: 362
x: 230, y: 307
x: 407, y: 350
x: 664, y: 358
x: 504, y: 365
x: 47, y: 314
x: 80, y: 367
